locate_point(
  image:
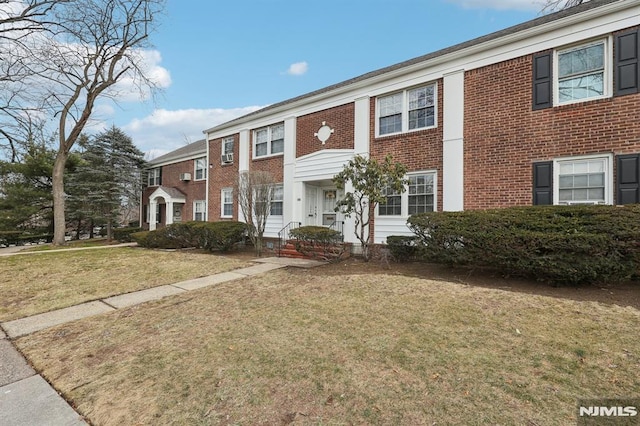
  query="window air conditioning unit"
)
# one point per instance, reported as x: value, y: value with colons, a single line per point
x: 227, y: 158
x: 185, y: 176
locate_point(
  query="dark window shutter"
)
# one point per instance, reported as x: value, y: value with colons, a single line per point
x: 543, y: 183
x: 628, y: 179
x: 160, y: 180
x: 626, y: 67
x: 542, y: 83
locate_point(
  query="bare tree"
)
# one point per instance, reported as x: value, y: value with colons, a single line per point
x: 89, y: 47
x: 254, y: 191
x: 555, y: 5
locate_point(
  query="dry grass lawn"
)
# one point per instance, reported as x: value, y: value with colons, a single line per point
x: 41, y: 282
x: 293, y: 347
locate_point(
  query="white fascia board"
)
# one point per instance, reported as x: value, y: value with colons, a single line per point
x: 177, y: 160
x: 592, y: 23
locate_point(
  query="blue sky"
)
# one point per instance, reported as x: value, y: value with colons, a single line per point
x: 220, y: 59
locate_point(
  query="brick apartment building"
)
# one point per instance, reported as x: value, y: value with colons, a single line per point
x: 545, y: 112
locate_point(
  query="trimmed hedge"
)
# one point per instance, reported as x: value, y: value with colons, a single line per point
x: 211, y: 236
x: 558, y: 244
x: 124, y: 234
x: 319, y: 234
x: 20, y: 238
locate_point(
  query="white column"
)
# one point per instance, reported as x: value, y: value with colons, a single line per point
x: 453, y: 142
x: 243, y: 164
x: 289, y: 201
x: 362, y: 126
x: 169, y: 212
x: 153, y: 206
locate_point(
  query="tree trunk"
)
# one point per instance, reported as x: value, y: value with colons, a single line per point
x: 59, y: 222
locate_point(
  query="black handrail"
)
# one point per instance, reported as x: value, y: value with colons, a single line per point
x: 283, y: 234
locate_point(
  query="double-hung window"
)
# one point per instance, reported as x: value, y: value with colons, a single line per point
x: 154, y: 177
x: 392, y: 206
x: 277, y: 196
x: 582, y: 73
x: 412, y: 109
x: 200, y: 168
x: 227, y: 202
x: 227, y: 150
x: 199, y: 210
x: 421, y: 195
x: 268, y: 140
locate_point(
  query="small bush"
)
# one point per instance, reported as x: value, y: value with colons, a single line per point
x: 319, y: 234
x: 220, y: 236
x: 318, y: 242
x: 402, y: 248
x: 559, y: 244
x: 124, y: 234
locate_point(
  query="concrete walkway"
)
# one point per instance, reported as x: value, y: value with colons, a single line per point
x: 27, y: 399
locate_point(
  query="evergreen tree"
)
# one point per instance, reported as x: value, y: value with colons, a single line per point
x: 106, y: 186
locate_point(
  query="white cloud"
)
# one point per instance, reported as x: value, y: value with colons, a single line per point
x: 527, y: 5
x: 166, y: 130
x: 129, y: 89
x: 299, y: 68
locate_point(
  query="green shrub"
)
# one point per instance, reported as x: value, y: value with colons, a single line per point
x: 402, y: 247
x: 124, y: 234
x: 10, y: 237
x: 559, y: 244
x: 220, y: 236
x: 211, y: 236
x: 140, y: 238
x: 318, y: 234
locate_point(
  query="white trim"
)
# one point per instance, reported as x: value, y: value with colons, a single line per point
x: 179, y: 159
x: 608, y: 175
x: 243, y: 151
x: 405, y: 110
x: 289, y: 170
x: 269, y: 141
x: 222, y: 202
x: 607, y: 73
x: 204, y: 169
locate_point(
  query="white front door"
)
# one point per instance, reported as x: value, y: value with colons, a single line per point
x: 311, y: 205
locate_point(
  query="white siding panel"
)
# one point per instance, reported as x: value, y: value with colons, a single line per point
x: 273, y: 226
x: 386, y: 226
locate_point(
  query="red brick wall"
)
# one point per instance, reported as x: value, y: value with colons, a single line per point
x: 340, y: 119
x: 273, y: 165
x: 221, y: 176
x: 503, y: 136
x: 418, y: 150
x: 193, y: 190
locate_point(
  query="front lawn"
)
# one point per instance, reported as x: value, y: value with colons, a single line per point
x: 41, y: 282
x: 342, y: 349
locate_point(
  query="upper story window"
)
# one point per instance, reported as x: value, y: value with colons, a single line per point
x: 412, y: 109
x: 582, y: 72
x: 227, y: 150
x: 200, y: 168
x: 268, y: 140
x: 154, y: 177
